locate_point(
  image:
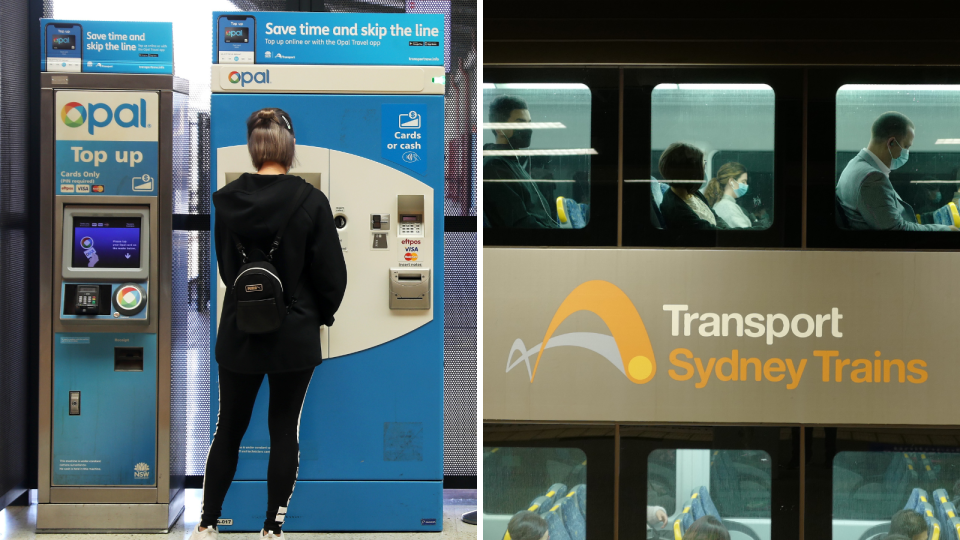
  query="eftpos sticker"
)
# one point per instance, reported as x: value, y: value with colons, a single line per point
x: 404, y: 135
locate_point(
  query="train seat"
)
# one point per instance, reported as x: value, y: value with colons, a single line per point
x: 570, y: 214
x: 556, y: 492
x: 918, y: 502
x: 572, y: 495
x: 555, y: 525
x: 947, y: 514
x: 698, y: 505
x: 574, y: 521
x: 701, y: 504
x: 540, y: 505
x: 917, y: 498
x: 581, y: 490
x: 926, y: 469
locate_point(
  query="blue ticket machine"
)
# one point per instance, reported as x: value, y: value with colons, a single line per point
x: 108, y: 458
x: 368, y: 113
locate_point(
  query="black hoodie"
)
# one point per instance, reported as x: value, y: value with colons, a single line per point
x: 253, y: 207
x: 513, y: 204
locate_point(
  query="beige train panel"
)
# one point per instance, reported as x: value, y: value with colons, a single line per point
x: 282, y: 78
x: 313, y: 165
x: 900, y: 305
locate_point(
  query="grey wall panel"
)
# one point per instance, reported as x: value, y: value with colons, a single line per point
x: 15, y: 396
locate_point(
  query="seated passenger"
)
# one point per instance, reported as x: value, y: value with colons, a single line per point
x: 723, y: 191
x: 526, y: 525
x: 706, y: 528
x: 910, y: 524
x: 926, y: 197
x: 864, y: 191
x: 898, y: 537
x: 517, y: 204
x: 657, y: 514
x: 683, y: 206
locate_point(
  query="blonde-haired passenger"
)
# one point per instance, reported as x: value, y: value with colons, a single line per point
x: 723, y: 191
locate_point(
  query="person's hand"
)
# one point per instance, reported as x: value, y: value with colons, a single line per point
x: 662, y: 518
x: 955, y: 229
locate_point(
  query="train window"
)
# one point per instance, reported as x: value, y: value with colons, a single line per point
x: 550, y: 482
x: 536, y: 155
x: 897, y: 157
x: 712, y: 153
x: 733, y: 485
x: 870, y: 489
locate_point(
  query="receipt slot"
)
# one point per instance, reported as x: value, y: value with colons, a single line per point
x: 369, y: 134
x: 109, y: 462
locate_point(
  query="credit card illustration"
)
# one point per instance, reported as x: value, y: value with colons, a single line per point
x: 410, y: 121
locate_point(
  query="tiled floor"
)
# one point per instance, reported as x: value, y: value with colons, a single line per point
x: 19, y: 523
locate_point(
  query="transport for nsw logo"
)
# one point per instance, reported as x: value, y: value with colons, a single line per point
x: 627, y: 348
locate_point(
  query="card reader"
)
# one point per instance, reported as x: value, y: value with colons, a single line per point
x: 87, y: 300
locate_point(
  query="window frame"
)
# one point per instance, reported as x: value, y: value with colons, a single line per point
x: 822, y: 230
x: 784, y: 501
x: 601, y: 230
x: 786, y: 229
x: 599, y: 449
x: 818, y: 507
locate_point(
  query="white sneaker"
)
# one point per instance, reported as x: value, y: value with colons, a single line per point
x: 269, y: 534
x: 207, y: 534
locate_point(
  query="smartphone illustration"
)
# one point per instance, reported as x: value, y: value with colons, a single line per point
x: 64, y: 47
x: 237, y: 43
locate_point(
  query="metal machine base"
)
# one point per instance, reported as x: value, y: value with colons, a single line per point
x: 109, y: 518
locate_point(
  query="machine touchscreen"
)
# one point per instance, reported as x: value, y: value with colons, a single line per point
x: 106, y: 242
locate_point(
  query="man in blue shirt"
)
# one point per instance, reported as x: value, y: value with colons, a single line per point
x: 864, y: 191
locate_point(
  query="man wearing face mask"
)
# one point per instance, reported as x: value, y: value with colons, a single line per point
x: 864, y: 191
x: 510, y: 199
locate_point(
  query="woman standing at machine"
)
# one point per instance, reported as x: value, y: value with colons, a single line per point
x: 279, y: 228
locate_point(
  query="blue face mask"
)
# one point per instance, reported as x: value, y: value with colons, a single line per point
x: 896, y: 163
x: 741, y: 190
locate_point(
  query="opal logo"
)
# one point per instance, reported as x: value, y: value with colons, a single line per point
x: 234, y: 33
x: 126, y: 115
x: 141, y: 471
x: 73, y: 114
x: 61, y: 40
x: 247, y: 77
x: 627, y: 348
x: 128, y: 297
x: 86, y: 242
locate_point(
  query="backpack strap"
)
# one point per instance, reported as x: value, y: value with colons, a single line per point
x: 301, y: 196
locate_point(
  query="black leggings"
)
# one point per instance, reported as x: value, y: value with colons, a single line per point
x: 238, y: 391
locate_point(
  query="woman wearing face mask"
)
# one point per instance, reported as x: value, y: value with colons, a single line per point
x: 723, y: 191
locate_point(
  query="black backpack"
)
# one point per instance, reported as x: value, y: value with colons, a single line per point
x: 260, y: 300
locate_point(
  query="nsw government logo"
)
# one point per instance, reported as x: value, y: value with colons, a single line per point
x: 141, y: 471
